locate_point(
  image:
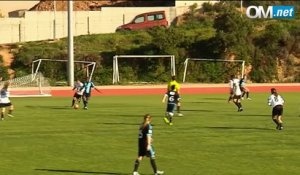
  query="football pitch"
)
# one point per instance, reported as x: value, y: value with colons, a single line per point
x: 48, y: 137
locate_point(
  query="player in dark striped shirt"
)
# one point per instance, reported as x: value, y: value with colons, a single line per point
x: 145, y: 146
x: 87, y: 86
x: 173, y: 98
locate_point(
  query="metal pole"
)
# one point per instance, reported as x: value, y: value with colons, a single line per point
x: 243, y: 68
x: 20, y: 32
x: 91, y: 75
x: 37, y: 68
x: 241, y: 7
x: 70, y: 43
x: 54, y: 19
x: 117, y: 68
x: 114, y: 69
x: 185, y: 68
x: 32, y: 67
x: 40, y: 84
x: 173, y: 66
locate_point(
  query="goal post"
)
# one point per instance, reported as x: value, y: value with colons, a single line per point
x: 187, y: 60
x: 35, y: 69
x: 116, y: 73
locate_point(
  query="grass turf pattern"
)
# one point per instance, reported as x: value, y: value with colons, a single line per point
x: 48, y: 137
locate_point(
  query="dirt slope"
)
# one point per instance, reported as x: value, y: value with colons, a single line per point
x: 7, y: 56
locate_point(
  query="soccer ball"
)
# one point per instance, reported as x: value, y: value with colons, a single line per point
x: 76, y: 106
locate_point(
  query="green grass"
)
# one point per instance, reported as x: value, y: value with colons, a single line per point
x: 47, y: 137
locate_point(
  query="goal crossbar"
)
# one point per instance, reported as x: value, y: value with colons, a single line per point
x: 116, y: 73
x: 211, y: 60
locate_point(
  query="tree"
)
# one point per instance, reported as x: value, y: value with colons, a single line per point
x: 233, y: 34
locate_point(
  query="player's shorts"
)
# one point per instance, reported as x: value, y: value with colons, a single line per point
x: 277, y: 110
x: 144, y: 152
x: 87, y: 94
x: 77, y: 96
x: 171, y: 107
x: 237, y: 97
x: 2, y: 105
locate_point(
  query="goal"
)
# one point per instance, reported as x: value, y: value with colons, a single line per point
x: 146, y: 58
x: 88, y: 66
x: 219, y: 68
x: 33, y: 85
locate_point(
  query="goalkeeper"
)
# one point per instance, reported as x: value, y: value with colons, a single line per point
x: 173, y: 82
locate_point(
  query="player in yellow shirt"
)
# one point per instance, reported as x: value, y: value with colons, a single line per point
x: 177, y: 89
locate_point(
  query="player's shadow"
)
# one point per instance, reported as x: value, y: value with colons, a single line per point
x: 129, y: 115
x: 202, y: 102
x: 223, y: 99
x: 198, y: 110
x: 236, y: 128
x: 81, y: 172
x: 47, y: 107
x: 118, y: 123
x: 255, y: 115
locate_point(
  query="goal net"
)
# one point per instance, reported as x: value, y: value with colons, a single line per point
x: 211, y: 70
x: 143, y: 68
x: 33, y: 85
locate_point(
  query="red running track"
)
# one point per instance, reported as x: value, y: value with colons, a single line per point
x: 115, y: 91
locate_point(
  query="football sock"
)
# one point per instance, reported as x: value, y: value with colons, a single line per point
x: 239, y: 105
x: 73, y: 102
x: 153, y: 164
x: 2, y: 115
x: 136, y: 165
x: 170, y: 119
x: 178, y: 109
x: 236, y: 104
x: 9, y: 111
x: 247, y: 94
x: 275, y: 121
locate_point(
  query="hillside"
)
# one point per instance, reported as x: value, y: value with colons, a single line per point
x: 270, y: 48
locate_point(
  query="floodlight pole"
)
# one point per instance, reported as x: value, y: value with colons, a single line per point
x: 114, y: 69
x: 173, y: 73
x: 70, y: 44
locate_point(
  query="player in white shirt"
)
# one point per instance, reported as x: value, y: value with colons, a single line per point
x: 79, y: 89
x: 5, y: 101
x: 237, y: 93
x: 230, y: 88
x: 276, y: 102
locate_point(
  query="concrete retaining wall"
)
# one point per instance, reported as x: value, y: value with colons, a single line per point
x: 45, y: 25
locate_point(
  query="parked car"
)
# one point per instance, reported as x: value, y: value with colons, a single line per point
x: 146, y: 20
